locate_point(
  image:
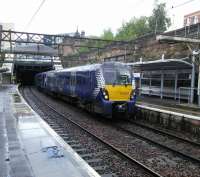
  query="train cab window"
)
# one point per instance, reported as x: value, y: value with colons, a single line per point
x: 117, y: 75
x: 124, y: 79
x: 109, y: 76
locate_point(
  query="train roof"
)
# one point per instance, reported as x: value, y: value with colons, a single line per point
x: 82, y: 68
x: 51, y: 71
x: 90, y: 67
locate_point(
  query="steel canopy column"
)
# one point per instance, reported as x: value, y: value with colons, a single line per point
x: 161, y: 86
x: 140, y: 84
x: 162, y: 79
x: 0, y: 78
x: 175, y: 87
x: 192, y: 80
x: 198, y: 88
x: 0, y: 37
x: 150, y: 85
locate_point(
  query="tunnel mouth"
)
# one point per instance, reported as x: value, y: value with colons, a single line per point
x: 26, y: 77
x: 25, y: 72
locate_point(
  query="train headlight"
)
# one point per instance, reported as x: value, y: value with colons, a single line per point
x: 132, y: 95
x: 106, y: 97
x: 105, y: 94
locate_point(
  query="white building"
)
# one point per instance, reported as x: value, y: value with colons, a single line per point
x: 192, y: 18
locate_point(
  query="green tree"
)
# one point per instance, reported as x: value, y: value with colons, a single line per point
x: 158, y: 21
x: 107, y: 34
x: 132, y: 29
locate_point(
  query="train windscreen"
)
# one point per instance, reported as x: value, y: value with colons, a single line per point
x: 117, y: 74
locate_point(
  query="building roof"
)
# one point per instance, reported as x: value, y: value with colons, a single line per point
x: 192, y: 14
x: 166, y: 64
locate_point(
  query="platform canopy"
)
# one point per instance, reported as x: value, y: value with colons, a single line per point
x: 162, y: 64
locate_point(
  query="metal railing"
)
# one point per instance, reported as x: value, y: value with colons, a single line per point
x: 156, y: 91
x: 182, y: 93
x: 186, y: 92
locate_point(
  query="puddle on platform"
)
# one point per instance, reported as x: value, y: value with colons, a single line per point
x: 16, y: 98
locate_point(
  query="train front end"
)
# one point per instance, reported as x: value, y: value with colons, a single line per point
x: 118, y: 93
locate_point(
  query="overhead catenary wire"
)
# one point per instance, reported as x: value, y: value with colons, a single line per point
x: 182, y: 4
x: 34, y: 15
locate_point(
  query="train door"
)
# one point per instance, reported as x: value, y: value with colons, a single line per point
x: 73, y: 84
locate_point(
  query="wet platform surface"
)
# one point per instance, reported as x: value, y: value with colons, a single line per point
x: 28, y: 144
x: 169, y: 105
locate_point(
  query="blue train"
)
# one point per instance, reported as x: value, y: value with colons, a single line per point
x: 106, y: 88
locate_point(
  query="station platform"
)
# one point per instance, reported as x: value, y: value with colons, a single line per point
x: 170, y: 114
x: 27, y: 143
x: 169, y: 105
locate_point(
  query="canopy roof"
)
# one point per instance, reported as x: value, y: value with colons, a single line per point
x: 157, y: 65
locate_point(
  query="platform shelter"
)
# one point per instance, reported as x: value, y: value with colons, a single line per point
x: 169, y: 78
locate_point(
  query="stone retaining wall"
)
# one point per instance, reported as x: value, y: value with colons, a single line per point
x: 170, y: 121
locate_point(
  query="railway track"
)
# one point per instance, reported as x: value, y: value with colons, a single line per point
x: 163, y: 132
x: 154, y: 157
x: 144, y: 170
x: 163, y: 139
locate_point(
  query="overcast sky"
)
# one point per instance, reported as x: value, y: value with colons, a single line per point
x: 92, y: 16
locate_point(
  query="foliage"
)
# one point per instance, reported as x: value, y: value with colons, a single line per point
x: 158, y: 21
x: 83, y: 49
x: 132, y: 29
x: 107, y: 34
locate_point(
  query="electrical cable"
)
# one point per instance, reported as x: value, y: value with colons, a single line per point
x: 179, y: 5
x: 32, y: 18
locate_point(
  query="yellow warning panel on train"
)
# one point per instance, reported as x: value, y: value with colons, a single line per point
x: 119, y: 92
